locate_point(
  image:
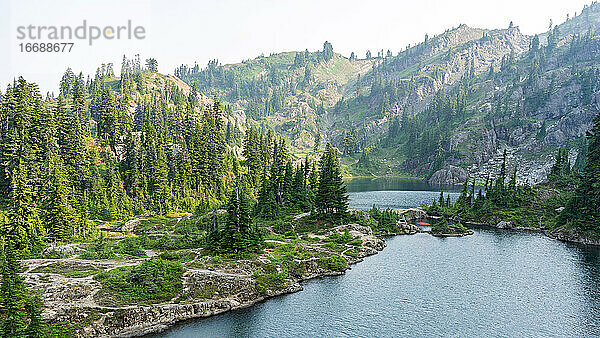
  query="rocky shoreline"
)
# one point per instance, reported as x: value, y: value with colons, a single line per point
x: 562, y: 234
x: 466, y: 233
x: 208, y: 288
x: 573, y: 236
x: 72, y: 295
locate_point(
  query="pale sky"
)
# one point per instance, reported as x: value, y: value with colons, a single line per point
x: 182, y: 32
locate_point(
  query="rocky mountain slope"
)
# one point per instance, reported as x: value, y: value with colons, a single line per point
x: 459, y: 98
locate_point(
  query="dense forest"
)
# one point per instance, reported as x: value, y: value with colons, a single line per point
x: 107, y: 150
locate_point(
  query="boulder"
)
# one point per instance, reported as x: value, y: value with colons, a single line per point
x: 504, y: 225
x: 130, y: 225
x: 448, y: 176
x: 407, y: 229
x: 412, y: 214
x: 60, y: 251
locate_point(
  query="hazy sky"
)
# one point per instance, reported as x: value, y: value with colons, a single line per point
x: 180, y: 32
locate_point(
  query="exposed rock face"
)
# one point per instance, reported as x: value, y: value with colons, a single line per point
x: 130, y: 225
x: 448, y: 176
x: 364, y: 233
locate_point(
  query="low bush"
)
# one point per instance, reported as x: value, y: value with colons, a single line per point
x: 272, y: 280
x: 152, y: 281
x: 333, y: 263
x: 129, y: 246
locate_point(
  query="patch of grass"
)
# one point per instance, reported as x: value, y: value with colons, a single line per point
x: 290, y: 251
x: 101, y: 249
x: 152, y: 281
x: 335, y: 247
x: 339, y: 238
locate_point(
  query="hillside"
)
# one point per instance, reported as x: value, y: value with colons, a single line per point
x: 459, y: 98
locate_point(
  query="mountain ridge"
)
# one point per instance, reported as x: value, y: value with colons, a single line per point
x: 354, y: 102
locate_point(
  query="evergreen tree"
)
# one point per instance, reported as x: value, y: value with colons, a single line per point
x: 36, y: 327
x: 463, y: 198
x: 583, y: 209
x: 152, y: 65
x: 237, y: 234
x: 267, y: 206
x: 67, y: 81
x: 327, y: 51
x: 13, y: 295
x: 331, y: 198
x: 108, y: 123
x: 58, y: 215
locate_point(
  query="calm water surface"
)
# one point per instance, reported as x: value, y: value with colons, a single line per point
x: 494, y: 283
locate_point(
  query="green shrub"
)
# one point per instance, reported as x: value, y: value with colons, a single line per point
x: 351, y: 253
x: 339, y: 239
x: 100, y: 249
x: 152, y: 281
x: 272, y: 280
x: 291, y: 250
x: 181, y: 256
x: 333, y: 263
x: 335, y: 247
x: 130, y: 246
x: 443, y: 227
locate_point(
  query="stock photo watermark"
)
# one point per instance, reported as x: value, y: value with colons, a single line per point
x: 62, y: 38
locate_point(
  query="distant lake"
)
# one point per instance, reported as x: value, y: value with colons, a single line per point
x: 395, y: 192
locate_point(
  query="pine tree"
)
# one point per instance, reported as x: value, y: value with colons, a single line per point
x: 237, y: 234
x: 583, y: 209
x: 327, y: 51
x: 288, y: 185
x: 267, y: 206
x: 24, y: 223
x: 13, y: 295
x: 152, y: 65
x: 107, y: 120
x: 78, y: 107
x: 67, y: 81
x: 252, y: 153
x: 58, y: 216
x: 331, y: 198
x: 463, y: 198
x: 37, y: 326
x: 159, y: 185
x: 71, y: 142
x: 299, y: 195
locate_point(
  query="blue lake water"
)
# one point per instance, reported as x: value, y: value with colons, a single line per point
x: 493, y: 283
